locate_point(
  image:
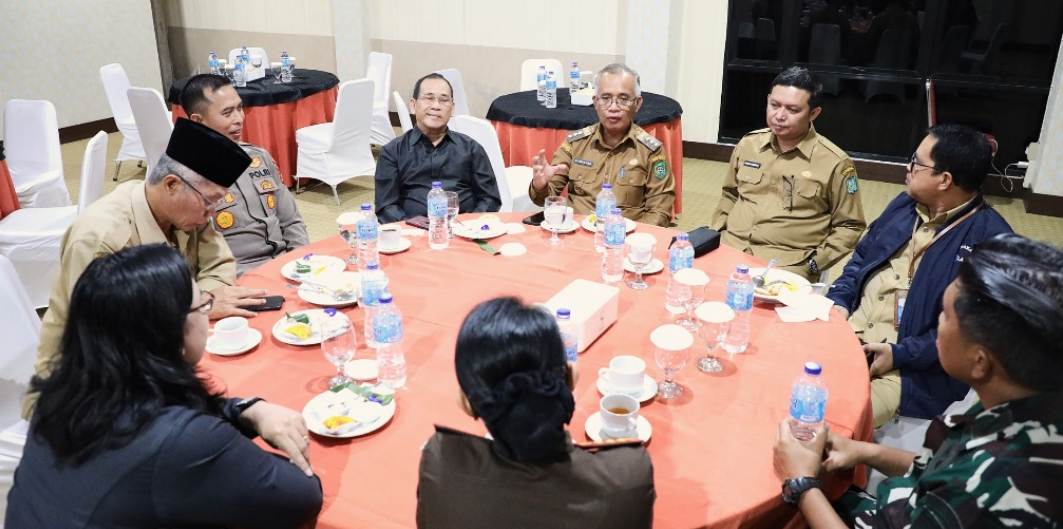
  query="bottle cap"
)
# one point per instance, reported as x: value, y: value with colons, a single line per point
x: 437, y: 184
x: 367, y: 207
x: 614, y: 211
x: 564, y: 313
x: 607, y: 186
x: 385, y: 297
x: 372, y: 265
x: 813, y: 368
x: 682, y: 236
x: 742, y: 269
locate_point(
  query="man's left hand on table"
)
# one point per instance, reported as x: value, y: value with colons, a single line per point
x: 231, y: 301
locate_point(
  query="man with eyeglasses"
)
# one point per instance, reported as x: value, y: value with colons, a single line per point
x: 173, y: 206
x: 430, y: 152
x: 789, y: 193
x: 614, y: 151
x: 891, y: 289
x: 258, y: 216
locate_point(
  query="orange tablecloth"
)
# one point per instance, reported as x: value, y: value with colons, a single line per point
x: 273, y: 127
x: 711, y: 450
x: 8, y: 196
x: 520, y: 144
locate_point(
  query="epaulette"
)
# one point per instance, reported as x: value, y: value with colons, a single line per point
x: 580, y: 134
x: 648, y: 140
x: 758, y: 131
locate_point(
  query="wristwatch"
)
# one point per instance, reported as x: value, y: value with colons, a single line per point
x: 243, y: 405
x: 812, y: 265
x: 792, y: 489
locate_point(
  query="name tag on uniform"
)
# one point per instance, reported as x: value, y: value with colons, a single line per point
x: 584, y: 163
x: 750, y: 163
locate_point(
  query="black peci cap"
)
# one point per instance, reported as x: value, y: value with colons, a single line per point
x: 208, y: 153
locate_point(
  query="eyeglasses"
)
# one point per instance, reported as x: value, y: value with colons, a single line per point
x: 912, y: 163
x: 607, y: 101
x: 443, y: 101
x: 206, y: 305
x: 207, y: 203
x: 789, y: 182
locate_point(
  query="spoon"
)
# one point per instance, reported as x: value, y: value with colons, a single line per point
x: 759, y: 280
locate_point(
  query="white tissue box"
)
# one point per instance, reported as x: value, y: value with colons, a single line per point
x: 593, y: 306
x: 583, y: 98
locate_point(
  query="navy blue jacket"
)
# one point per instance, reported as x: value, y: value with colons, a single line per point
x: 926, y: 390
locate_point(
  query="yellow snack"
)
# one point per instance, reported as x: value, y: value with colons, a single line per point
x: 776, y: 289
x: 592, y: 218
x: 336, y: 421
x: 301, y: 331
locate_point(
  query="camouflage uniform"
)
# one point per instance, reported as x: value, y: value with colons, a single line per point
x: 1001, y: 467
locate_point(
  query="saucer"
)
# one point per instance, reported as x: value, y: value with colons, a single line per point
x: 254, y: 337
x: 361, y: 369
x: 513, y: 249
x: 514, y: 228
x: 318, y: 264
x: 316, y: 317
x: 655, y: 266
x: 649, y: 388
x: 594, y: 428
x: 568, y: 227
x: 404, y: 244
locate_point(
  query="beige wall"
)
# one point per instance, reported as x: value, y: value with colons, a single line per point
x: 53, y: 50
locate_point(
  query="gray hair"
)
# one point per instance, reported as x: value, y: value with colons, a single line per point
x: 620, y: 68
x: 167, y: 166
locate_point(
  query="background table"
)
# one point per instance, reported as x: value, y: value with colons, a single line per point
x: 711, y: 449
x: 8, y: 195
x: 524, y: 127
x: 273, y: 112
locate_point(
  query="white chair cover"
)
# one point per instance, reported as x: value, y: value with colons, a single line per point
x: 91, y: 188
x: 461, y: 101
x: 19, y: 326
x: 529, y: 71
x: 116, y: 84
x: 31, y: 143
x: 379, y: 70
x: 336, y: 152
x: 403, y: 109
x: 153, y: 121
x: 513, y: 182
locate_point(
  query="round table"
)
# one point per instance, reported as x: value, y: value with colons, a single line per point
x: 711, y: 449
x: 273, y: 112
x: 524, y: 127
x: 8, y: 195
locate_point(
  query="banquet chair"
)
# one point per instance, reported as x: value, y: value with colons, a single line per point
x: 892, y: 54
x: 31, y: 133
x: 261, y: 52
x: 115, y: 84
x: 403, y: 110
x: 379, y: 70
x: 20, y: 327
x: 826, y: 48
x: 461, y: 101
x: 31, y: 238
x: 153, y: 121
x: 338, y: 151
x: 513, y: 182
x: 529, y: 72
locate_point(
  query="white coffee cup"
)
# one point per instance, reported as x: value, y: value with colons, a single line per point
x: 390, y: 236
x: 231, y: 333
x: 620, y: 414
x: 624, y: 374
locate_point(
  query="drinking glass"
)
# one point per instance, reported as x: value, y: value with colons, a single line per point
x: 256, y: 61
x: 640, y: 254
x: 671, y: 352
x: 714, y: 320
x: 275, y: 67
x: 554, y: 210
x: 691, y: 293
x: 348, y: 224
x: 453, y: 205
x: 338, y: 344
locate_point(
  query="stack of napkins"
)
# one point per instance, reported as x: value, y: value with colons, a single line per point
x: 803, y: 306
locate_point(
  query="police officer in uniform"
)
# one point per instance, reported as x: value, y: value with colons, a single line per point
x: 790, y: 194
x: 173, y: 206
x: 258, y: 216
x: 615, y: 151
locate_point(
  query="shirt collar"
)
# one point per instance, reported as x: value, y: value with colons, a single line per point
x: 999, y: 422
x: 944, y: 218
x: 599, y: 131
x: 416, y: 135
x: 147, y: 228
x: 805, y: 146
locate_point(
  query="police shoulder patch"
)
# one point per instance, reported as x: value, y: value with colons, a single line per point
x: 580, y: 134
x: 224, y: 220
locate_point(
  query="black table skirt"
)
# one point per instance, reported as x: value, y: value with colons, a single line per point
x: 522, y: 108
x: 2, y: 150
x: 262, y: 92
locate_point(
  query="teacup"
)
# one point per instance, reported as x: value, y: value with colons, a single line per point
x: 620, y: 415
x: 624, y: 375
x: 390, y: 236
x: 231, y: 333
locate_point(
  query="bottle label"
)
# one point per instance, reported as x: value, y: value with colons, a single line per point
x: 370, y: 293
x: 615, y: 233
x: 602, y: 209
x: 571, y: 351
x: 739, y: 300
x: 676, y: 261
x: 810, y: 411
x: 367, y: 230
x: 437, y: 208
x: 387, y: 329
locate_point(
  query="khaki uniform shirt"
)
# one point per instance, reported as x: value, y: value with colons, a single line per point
x: 122, y: 219
x: 873, y: 320
x: 792, y: 205
x: 259, y: 218
x: 646, y: 192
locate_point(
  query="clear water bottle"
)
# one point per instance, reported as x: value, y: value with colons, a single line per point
x: 551, y: 90
x: 372, y: 287
x: 245, y: 55
x: 740, y: 299
x: 613, y: 259
x: 286, y: 68
x: 438, y: 234
x: 240, y: 73
x: 605, y: 203
x: 808, y: 402
x: 680, y: 256
x: 212, y: 60
x: 540, y: 85
x: 568, y: 333
x: 390, y: 360
x: 574, y: 77
x: 368, y: 236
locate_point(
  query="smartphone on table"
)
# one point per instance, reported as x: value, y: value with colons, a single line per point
x: 272, y: 303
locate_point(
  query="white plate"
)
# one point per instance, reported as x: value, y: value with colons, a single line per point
x: 649, y: 388
x: 773, y: 275
x: 471, y: 229
x: 314, y: 422
x: 654, y: 267
x: 589, y: 226
x: 513, y: 249
x: 569, y: 227
x: 361, y: 369
x: 311, y: 294
x: 316, y: 317
x: 318, y: 264
x: 253, y: 338
x: 404, y: 244
x: 594, y: 428
x: 513, y: 228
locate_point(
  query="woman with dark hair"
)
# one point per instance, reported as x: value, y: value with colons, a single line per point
x: 513, y: 374
x: 126, y: 435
